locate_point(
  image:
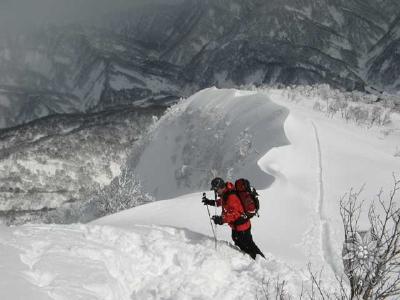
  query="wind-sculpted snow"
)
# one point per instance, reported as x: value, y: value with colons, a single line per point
x: 215, y: 132
x: 139, y: 262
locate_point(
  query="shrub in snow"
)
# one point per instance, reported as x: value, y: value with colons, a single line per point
x: 243, y: 144
x: 357, y: 113
x: 273, y: 289
x: 332, y: 108
x: 317, y: 106
x: 376, y: 115
x: 354, y: 106
x: 124, y: 192
x: 372, y: 258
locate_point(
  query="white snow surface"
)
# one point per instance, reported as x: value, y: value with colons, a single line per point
x: 135, y: 262
x: 165, y: 249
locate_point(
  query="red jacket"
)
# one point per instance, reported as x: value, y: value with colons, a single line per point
x: 232, y: 209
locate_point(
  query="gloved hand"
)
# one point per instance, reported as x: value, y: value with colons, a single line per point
x: 217, y: 220
x: 241, y: 220
x: 207, y: 201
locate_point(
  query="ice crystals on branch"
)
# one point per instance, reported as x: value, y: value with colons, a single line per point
x: 361, y: 254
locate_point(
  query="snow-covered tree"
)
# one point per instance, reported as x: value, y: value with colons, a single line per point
x: 124, y: 192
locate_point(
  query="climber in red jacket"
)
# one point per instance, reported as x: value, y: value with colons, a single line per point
x: 232, y: 213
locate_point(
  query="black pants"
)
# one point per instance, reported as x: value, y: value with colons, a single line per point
x: 244, y: 240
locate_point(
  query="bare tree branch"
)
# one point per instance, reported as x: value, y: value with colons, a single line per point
x: 373, y: 266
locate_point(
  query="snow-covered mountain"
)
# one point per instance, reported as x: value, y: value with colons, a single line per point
x: 383, y: 66
x: 69, y: 168
x: 159, y: 52
x: 53, y: 168
x: 75, y: 69
x: 95, y: 118
x: 289, y: 42
x: 165, y: 249
x: 56, y: 169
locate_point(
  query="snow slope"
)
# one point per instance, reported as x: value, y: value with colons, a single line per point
x: 335, y: 156
x: 138, y: 262
x: 165, y: 249
x: 300, y: 219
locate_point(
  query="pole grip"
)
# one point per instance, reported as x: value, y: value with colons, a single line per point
x: 212, y: 227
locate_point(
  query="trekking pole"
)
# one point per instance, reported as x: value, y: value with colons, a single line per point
x: 215, y: 211
x: 212, y: 227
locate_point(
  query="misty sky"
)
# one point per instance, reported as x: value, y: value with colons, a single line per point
x: 21, y: 14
